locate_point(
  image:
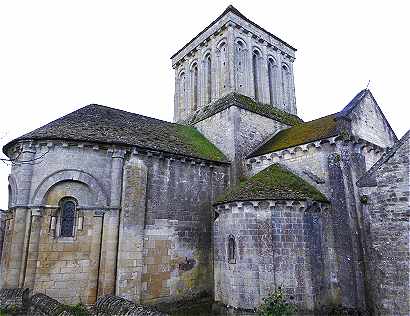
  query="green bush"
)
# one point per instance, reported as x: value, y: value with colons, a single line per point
x: 77, y: 310
x: 276, y: 304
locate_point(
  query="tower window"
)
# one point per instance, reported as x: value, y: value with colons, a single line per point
x: 256, y: 70
x: 231, y: 249
x: 68, y: 210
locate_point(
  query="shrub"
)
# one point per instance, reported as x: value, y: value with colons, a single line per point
x: 276, y: 304
x: 77, y: 310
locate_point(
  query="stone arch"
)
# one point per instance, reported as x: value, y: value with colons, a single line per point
x: 286, y: 85
x: 194, y: 83
x: 12, y: 191
x: 208, y: 80
x: 223, y: 66
x: 240, y: 64
x: 182, y: 90
x: 272, y: 79
x: 70, y: 175
x: 256, y: 71
x: 231, y: 249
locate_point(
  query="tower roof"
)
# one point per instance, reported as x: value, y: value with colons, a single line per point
x: 232, y: 9
x: 105, y: 125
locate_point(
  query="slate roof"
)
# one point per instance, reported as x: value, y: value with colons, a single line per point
x: 308, y: 132
x: 101, y: 124
x: 231, y: 8
x: 244, y: 102
x: 273, y: 183
x: 368, y: 180
x: 300, y: 134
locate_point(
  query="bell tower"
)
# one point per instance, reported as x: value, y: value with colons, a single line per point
x: 233, y: 54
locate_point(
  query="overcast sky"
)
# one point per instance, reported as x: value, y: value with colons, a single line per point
x: 57, y: 56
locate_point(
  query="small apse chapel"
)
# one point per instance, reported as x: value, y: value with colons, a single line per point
x: 237, y: 197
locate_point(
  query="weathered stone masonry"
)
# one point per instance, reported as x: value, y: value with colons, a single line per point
x: 236, y: 199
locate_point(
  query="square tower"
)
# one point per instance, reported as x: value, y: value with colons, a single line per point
x: 233, y: 54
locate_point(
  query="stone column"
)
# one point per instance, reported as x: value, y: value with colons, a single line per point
x: 24, y: 172
x: 33, y: 245
x: 110, y: 228
x: 279, y: 81
x: 92, y: 287
x: 250, y: 86
x: 231, y: 56
x: 293, y: 108
x: 131, y: 237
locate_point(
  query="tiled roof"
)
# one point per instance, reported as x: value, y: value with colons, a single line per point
x: 244, y: 102
x: 273, y: 183
x: 300, y: 134
x: 101, y: 124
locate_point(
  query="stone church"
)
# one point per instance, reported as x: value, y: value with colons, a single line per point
x: 235, y: 198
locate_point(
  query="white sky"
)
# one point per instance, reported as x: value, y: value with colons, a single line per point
x: 57, y: 56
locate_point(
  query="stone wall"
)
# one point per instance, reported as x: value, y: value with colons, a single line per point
x: 237, y: 132
x: 386, y: 215
x: 369, y: 123
x: 124, y: 200
x: 287, y: 244
x: 243, y: 58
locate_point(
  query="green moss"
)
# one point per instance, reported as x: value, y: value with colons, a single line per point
x: 301, y: 134
x: 274, y: 183
x: 198, y: 143
x: 269, y: 110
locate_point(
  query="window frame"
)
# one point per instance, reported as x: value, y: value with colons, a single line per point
x: 60, y: 218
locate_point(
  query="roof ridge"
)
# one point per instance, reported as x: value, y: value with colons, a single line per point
x: 231, y: 8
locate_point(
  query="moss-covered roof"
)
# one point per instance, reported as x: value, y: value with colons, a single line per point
x: 301, y: 134
x: 273, y: 183
x: 244, y: 102
x: 101, y: 124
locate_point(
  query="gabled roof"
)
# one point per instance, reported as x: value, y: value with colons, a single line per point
x: 321, y: 128
x: 232, y: 9
x: 101, y: 124
x: 368, y: 179
x: 244, y: 102
x: 273, y: 183
x: 349, y: 108
x: 318, y: 129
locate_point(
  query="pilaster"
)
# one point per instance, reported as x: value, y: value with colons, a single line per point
x: 109, y: 246
x: 24, y: 167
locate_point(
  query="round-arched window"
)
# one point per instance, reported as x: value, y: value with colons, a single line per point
x: 231, y: 249
x: 68, y: 209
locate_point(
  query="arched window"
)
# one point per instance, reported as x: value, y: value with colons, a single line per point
x: 194, y: 85
x: 240, y: 57
x: 222, y: 54
x: 67, y: 221
x: 272, y: 77
x: 256, y: 70
x: 208, y: 78
x: 182, y: 92
x: 231, y: 249
x: 286, y: 89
